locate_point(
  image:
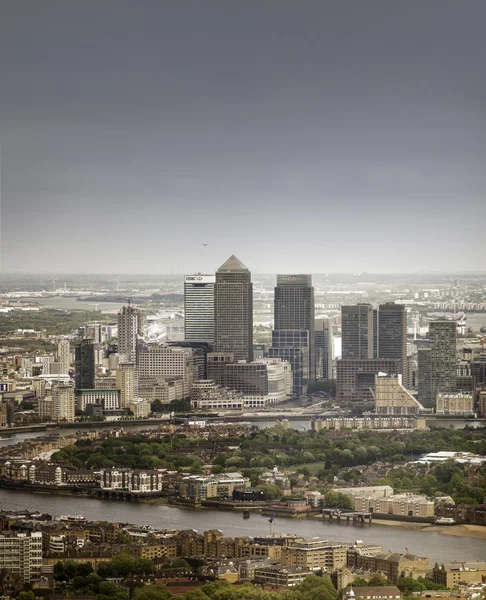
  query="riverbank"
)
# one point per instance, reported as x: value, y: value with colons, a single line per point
x: 462, y: 530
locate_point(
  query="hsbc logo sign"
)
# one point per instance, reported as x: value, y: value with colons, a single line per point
x: 199, y: 278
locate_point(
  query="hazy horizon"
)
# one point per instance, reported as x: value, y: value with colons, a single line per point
x: 321, y: 136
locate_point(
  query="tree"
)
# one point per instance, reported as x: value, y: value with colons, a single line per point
x: 152, y: 592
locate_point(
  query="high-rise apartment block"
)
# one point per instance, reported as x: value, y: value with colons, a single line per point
x: 424, y: 375
x: 21, y: 555
x: 84, y: 364
x: 129, y: 325
x: 233, y: 310
x: 442, y: 340
x: 64, y: 356
x: 357, y: 331
x: 199, y: 308
x: 127, y: 383
x: 294, y: 310
x: 64, y: 401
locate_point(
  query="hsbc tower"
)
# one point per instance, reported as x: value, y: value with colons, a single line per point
x: 199, y: 308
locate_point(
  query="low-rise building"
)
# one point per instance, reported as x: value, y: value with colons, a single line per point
x: 385, y: 592
x: 197, y: 488
x: 409, y: 505
x: 394, y: 565
x: 314, y: 554
x: 140, y: 408
x: 208, y: 395
x: 278, y: 576
x: 453, y: 573
x: 135, y: 481
x: 461, y: 404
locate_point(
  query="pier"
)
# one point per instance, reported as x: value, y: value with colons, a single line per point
x: 356, y: 517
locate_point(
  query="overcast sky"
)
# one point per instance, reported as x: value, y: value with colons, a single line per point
x: 300, y: 135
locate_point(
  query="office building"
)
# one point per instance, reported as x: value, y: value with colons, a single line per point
x: 424, y: 376
x: 324, y: 349
x: 84, y: 364
x: 294, y: 310
x: 356, y: 378
x: 199, y: 308
x: 392, y: 336
x: 233, y: 310
x: 357, y: 331
x: 293, y: 346
x: 129, y: 326
x: 199, y: 351
x: 207, y: 395
x: 169, y: 362
x: 109, y: 399
x: 442, y: 340
x: 262, y: 382
x: 64, y: 356
x: 127, y: 383
x: 21, y: 555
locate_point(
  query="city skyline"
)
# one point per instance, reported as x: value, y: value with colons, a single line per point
x: 132, y: 135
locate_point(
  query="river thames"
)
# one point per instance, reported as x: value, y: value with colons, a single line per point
x: 438, y: 546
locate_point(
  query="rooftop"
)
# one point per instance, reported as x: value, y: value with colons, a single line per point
x: 232, y: 264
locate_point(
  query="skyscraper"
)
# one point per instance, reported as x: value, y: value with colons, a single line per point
x: 233, y: 310
x: 294, y: 310
x: 64, y: 356
x: 128, y: 329
x: 442, y: 339
x: 424, y: 376
x: 64, y: 401
x: 199, y: 308
x: 84, y: 364
x: 392, y: 335
x: 324, y: 349
x: 127, y: 383
x: 357, y: 331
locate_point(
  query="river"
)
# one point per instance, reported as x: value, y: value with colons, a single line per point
x: 437, y: 546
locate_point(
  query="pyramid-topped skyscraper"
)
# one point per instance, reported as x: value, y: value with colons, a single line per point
x: 233, y: 310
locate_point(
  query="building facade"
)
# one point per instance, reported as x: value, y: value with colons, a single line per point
x: 21, y: 555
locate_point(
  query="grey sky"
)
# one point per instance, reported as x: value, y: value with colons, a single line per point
x: 303, y: 135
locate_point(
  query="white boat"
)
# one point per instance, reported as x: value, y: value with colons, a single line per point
x: 445, y: 521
